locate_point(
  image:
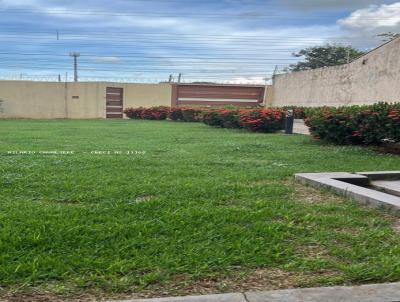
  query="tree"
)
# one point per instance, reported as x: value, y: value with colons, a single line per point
x: 325, y: 55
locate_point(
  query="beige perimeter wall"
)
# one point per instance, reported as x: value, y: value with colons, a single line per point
x: 26, y: 99
x: 372, y: 78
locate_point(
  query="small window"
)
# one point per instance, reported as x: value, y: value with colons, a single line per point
x: 75, y: 96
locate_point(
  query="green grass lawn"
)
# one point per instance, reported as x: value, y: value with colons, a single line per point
x: 197, y: 209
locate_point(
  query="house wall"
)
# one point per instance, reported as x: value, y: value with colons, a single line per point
x: 26, y: 99
x: 372, y: 78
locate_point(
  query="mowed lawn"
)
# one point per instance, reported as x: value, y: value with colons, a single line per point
x: 192, y: 209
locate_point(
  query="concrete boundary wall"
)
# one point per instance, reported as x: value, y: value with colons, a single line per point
x: 27, y: 99
x: 83, y: 100
x: 372, y: 78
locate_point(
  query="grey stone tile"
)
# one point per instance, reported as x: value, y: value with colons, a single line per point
x: 361, y: 194
x: 388, y: 186
x: 367, y: 293
x: 235, y: 297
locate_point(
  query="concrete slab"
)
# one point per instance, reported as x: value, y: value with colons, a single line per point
x: 381, y: 175
x: 335, y: 182
x: 235, y: 297
x: 389, y: 292
x: 389, y: 186
x: 299, y: 127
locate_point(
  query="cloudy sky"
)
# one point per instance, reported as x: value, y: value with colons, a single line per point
x: 209, y: 40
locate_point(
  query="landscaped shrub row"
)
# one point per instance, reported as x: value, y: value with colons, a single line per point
x: 153, y: 113
x: 163, y: 112
x: 298, y: 112
x: 375, y: 124
x: 301, y: 112
x: 225, y: 118
x: 265, y: 120
x: 256, y: 120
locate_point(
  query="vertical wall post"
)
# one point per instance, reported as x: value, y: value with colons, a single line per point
x: 174, y: 95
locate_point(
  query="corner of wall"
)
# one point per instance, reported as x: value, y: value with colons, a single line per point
x: 269, y: 95
x: 174, y: 95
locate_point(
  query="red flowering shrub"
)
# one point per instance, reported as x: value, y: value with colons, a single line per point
x: 212, y: 118
x: 226, y: 118
x: 175, y: 114
x: 155, y: 113
x: 134, y: 113
x: 230, y: 118
x: 257, y: 120
x: 301, y: 112
x: 373, y: 124
x: 191, y: 114
x: 152, y: 113
x: 298, y: 112
x: 263, y: 120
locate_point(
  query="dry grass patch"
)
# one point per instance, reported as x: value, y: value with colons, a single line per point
x: 241, y: 281
x: 184, y: 285
x: 312, y: 195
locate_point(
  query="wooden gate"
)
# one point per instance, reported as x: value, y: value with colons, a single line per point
x: 114, y: 102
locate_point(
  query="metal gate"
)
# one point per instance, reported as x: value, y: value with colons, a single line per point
x: 114, y: 102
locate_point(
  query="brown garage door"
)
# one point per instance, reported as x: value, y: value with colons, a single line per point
x: 114, y: 102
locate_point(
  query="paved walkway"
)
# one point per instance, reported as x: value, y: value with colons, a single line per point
x: 299, y: 127
x: 389, y: 292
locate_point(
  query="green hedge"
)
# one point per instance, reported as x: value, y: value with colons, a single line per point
x: 374, y: 124
x: 256, y: 120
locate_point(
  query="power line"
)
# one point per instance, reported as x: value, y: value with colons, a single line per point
x: 174, y: 38
x: 251, y: 15
x: 123, y: 35
x: 191, y: 60
x: 166, y: 70
x: 176, y: 44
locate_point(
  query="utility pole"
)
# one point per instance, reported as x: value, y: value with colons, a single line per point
x: 179, y: 77
x: 75, y: 55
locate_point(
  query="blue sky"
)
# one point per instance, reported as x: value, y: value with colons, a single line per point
x: 220, y: 40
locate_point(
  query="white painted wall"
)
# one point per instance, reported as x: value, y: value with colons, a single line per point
x: 372, y: 78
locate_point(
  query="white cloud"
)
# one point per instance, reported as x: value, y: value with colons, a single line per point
x: 329, y: 4
x: 383, y: 17
x: 18, y: 3
x: 248, y: 80
x: 110, y: 60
